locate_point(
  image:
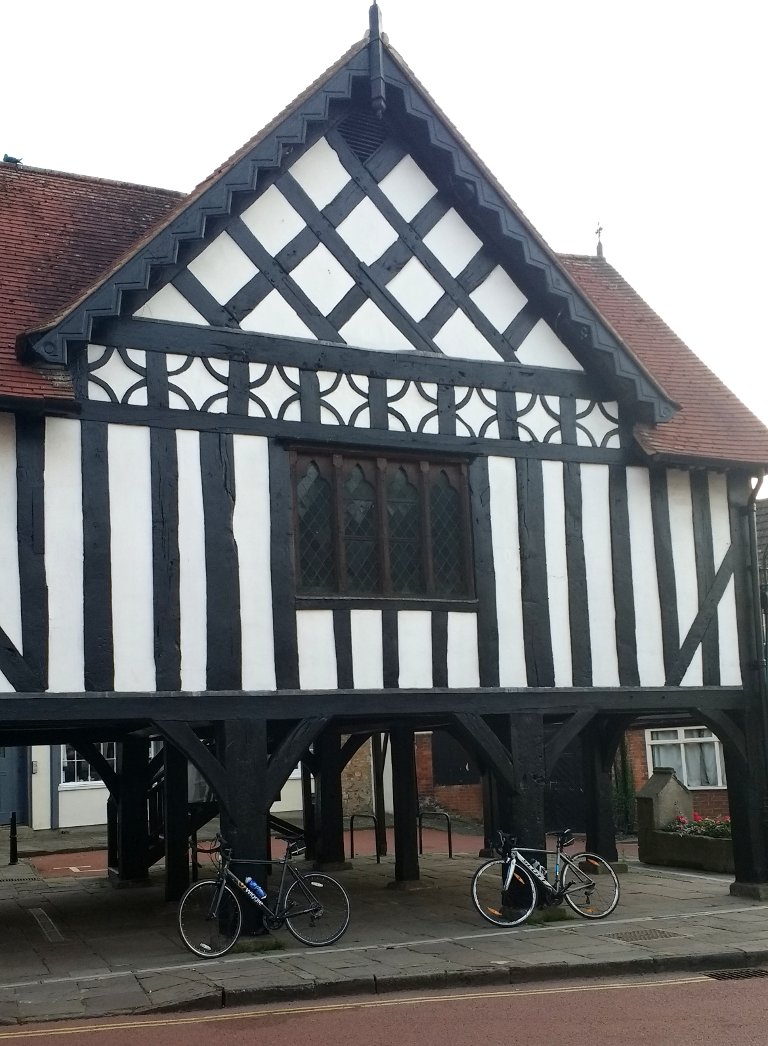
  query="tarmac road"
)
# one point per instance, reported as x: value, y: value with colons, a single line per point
x: 684, y: 1011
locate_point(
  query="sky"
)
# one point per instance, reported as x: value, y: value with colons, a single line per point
x: 649, y: 119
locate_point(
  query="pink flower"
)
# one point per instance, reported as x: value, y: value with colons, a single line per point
x: 697, y: 817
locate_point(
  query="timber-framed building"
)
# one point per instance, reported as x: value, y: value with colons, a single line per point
x: 335, y: 446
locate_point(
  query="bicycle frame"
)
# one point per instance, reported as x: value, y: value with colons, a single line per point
x: 562, y: 861
x: 276, y: 914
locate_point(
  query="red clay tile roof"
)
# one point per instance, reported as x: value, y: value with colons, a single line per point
x: 58, y: 232
x: 712, y: 423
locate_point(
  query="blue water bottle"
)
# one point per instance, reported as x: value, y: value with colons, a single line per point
x: 254, y: 887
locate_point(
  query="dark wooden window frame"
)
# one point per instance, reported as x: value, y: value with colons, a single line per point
x: 335, y: 466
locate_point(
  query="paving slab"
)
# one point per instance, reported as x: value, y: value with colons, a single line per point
x: 119, y: 951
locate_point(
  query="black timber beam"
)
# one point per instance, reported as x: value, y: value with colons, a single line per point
x: 69, y: 711
x: 565, y: 734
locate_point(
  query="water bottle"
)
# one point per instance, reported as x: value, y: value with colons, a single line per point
x: 254, y: 887
x: 539, y: 867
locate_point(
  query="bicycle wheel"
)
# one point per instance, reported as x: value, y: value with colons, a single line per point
x: 591, y: 886
x: 204, y: 932
x: 499, y: 906
x: 317, y: 909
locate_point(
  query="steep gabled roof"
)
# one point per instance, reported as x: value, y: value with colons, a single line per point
x: 58, y: 233
x: 712, y: 422
x: 88, y: 241
x: 453, y: 167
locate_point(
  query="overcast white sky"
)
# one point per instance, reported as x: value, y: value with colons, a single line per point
x: 648, y: 117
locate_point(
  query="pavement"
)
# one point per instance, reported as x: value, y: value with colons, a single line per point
x: 74, y: 947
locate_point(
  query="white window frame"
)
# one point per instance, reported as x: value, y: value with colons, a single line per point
x: 682, y: 740
x: 93, y: 781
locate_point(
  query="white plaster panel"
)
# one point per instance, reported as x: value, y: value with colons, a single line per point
x: 728, y: 633
x: 192, y: 575
x: 338, y: 405
x: 415, y: 401
x: 130, y: 515
x: 322, y: 278
x: 414, y: 646
x: 415, y: 289
x: 82, y: 805
x: 452, y: 242
x: 502, y: 477
x: 367, y: 649
x: 252, y: 530
x: 370, y: 329
x: 543, y: 348
x: 40, y: 787
x: 598, y: 420
x: 63, y: 499
x: 463, y: 656
x: 498, y: 298
x: 198, y: 384
x: 557, y: 571
x: 10, y: 586
x: 684, y: 559
x: 317, y: 650
x: 727, y: 623
x: 367, y: 232
x: 460, y: 337
x: 407, y: 188
x: 273, y: 315
x: 474, y: 409
x: 535, y: 423
x: 272, y: 220
x: 596, y: 533
x: 271, y: 389
x: 320, y: 173
x: 110, y: 366
x: 5, y: 686
x: 170, y: 304
x: 650, y: 651
x: 223, y: 268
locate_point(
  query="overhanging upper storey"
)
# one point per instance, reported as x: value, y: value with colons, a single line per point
x: 361, y: 219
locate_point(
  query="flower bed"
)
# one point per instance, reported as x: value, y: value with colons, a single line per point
x: 696, y: 842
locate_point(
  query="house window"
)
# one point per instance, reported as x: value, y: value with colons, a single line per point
x: 693, y: 752
x: 76, y: 770
x: 381, y: 526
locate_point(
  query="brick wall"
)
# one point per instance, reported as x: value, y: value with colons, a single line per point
x: 709, y: 802
x: 462, y: 800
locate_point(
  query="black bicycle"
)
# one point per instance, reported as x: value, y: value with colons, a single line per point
x: 313, y: 906
x: 505, y: 891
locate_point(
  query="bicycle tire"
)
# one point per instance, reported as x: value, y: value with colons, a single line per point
x: 207, y: 935
x: 600, y: 886
x: 503, y: 908
x: 330, y: 919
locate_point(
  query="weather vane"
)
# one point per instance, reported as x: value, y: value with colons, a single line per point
x: 599, y: 233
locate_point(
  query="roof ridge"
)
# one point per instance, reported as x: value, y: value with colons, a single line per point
x: 24, y: 169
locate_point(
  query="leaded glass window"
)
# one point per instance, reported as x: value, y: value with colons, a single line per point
x: 367, y: 525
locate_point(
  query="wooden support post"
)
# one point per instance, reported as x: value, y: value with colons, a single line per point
x: 242, y: 744
x: 598, y: 794
x: 175, y: 822
x: 328, y: 807
x: 132, y: 824
x: 524, y: 735
x: 308, y: 806
x: 749, y: 811
x: 406, y: 804
x: 379, y: 809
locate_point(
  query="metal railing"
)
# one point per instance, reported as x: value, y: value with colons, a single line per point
x: 13, y: 840
x: 435, y: 813
x: 368, y: 817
